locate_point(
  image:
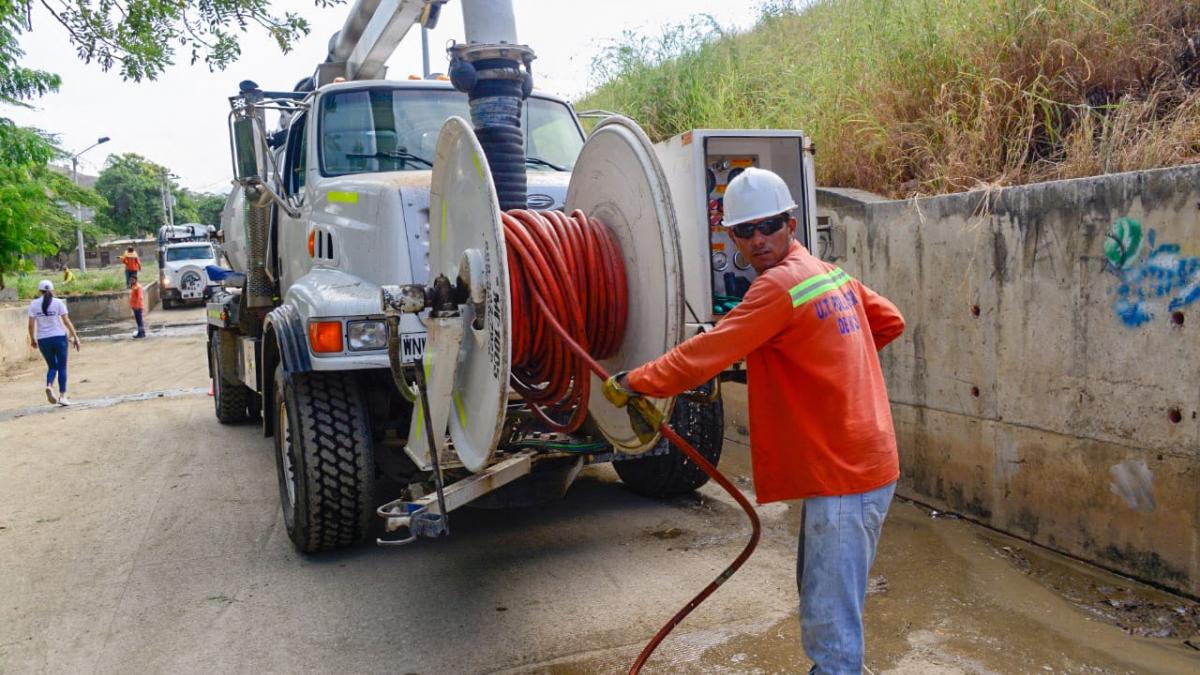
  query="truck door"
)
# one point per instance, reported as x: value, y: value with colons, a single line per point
x: 292, y: 233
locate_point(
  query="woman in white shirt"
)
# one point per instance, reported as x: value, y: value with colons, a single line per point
x: 48, y: 329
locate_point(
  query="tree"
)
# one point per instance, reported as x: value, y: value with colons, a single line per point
x: 133, y: 187
x: 208, y: 209
x: 139, y: 38
x: 18, y: 84
x: 186, y: 207
x: 33, y: 219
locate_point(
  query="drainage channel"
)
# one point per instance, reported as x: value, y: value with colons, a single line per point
x: 107, y: 402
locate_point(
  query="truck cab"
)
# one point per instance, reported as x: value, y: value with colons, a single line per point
x: 356, y: 162
x: 184, y: 254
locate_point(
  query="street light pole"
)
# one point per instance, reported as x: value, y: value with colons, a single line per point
x: 168, y: 198
x: 79, y: 209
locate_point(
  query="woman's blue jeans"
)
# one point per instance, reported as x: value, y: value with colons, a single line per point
x: 54, y: 350
x: 838, y: 538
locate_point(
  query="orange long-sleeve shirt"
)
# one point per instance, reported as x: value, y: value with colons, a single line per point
x: 820, y: 421
x: 137, y: 297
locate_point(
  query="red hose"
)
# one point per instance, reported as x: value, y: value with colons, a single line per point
x: 574, y: 266
x: 572, y: 269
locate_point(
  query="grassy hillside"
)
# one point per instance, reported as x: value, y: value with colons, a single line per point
x: 930, y: 96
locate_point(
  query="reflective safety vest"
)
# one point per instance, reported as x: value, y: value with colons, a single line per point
x: 820, y: 420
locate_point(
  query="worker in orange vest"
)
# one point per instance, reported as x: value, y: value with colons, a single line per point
x: 133, y: 264
x: 820, y: 421
x: 137, y: 302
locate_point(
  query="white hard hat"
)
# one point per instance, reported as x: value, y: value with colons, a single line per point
x: 45, y: 285
x: 755, y: 194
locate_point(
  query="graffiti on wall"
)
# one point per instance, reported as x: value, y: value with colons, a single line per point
x: 1153, y: 277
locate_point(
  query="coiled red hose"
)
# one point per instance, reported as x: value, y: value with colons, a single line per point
x: 572, y: 269
x: 573, y: 263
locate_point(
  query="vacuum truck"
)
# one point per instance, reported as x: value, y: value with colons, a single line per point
x: 374, y: 320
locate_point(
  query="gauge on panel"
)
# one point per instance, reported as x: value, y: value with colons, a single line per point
x: 720, y: 260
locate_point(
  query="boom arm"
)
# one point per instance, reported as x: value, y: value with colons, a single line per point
x: 373, y: 30
x: 382, y: 34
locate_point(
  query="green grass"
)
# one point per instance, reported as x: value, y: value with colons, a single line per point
x: 102, y: 280
x: 908, y: 97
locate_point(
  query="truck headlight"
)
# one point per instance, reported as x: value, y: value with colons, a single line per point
x: 366, y: 335
x: 164, y: 281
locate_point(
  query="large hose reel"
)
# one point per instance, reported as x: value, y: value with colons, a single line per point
x: 468, y: 356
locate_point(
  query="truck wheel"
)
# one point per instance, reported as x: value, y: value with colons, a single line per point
x: 230, y: 396
x: 672, y: 474
x: 324, y: 460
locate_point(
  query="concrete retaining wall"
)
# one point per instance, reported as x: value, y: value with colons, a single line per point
x: 14, y: 337
x: 1049, y: 382
x: 14, y: 332
x: 108, y: 306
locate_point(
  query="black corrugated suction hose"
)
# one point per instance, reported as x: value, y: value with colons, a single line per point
x: 496, y: 115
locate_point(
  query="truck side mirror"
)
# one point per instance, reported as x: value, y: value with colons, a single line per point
x: 248, y: 150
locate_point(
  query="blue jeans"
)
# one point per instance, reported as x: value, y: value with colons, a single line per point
x: 54, y: 350
x: 137, y: 316
x: 838, y: 538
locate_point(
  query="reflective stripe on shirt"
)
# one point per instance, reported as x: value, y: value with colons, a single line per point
x: 817, y: 285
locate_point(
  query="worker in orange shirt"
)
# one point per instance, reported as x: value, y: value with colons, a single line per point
x: 820, y: 422
x: 137, y: 302
x: 133, y: 264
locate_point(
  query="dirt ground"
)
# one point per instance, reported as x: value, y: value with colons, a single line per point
x: 138, y: 535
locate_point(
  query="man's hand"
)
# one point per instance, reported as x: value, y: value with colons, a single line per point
x: 616, y: 390
x: 644, y: 418
x: 33, y: 343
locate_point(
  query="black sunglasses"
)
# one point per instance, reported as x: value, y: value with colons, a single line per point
x: 766, y: 227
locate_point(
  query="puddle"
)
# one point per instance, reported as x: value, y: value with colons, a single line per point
x: 1138, y: 610
x: 124, y: 330
x: 107, y: 402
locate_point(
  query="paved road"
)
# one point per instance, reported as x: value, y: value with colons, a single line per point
x: 137, y: 535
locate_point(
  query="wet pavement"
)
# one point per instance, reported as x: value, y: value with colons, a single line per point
x: 91, y: 404
x: 137, y: 535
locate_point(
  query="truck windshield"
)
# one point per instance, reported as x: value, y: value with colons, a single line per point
x: 201, y: 252
x: 391, y: 129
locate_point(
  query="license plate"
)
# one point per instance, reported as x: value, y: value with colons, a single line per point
x: 412, y: 345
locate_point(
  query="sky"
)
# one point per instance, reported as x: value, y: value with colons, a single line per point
x: 179, y: 120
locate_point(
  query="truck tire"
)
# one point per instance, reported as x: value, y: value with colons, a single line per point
x: 324, y: 459
x: 230, y: 396
x: 672, y: 474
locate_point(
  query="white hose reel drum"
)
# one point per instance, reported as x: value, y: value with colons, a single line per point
x: 618, y: 180
x: 465, y: 231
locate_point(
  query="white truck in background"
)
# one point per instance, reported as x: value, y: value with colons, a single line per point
x: 184, y: 254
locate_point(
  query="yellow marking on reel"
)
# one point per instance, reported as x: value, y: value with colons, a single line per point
x: 343, y: 197
x: 478, y: 166
x: 462, y: 411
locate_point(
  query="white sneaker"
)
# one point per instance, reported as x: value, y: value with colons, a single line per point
x: 63, y: 400
x: 50, y: 395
